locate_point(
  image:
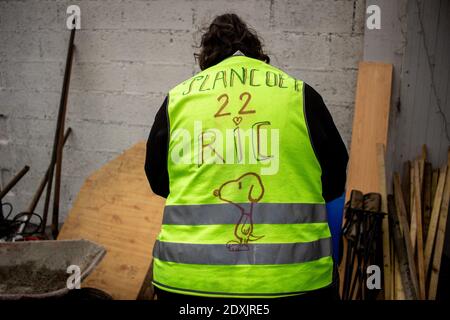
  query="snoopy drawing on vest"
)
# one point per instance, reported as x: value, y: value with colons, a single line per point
x: 243, y: 193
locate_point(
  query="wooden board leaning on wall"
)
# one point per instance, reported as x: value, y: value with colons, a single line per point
x: 116, y: 208
x: 370, y: 127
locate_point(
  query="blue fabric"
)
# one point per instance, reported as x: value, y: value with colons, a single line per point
x: 335, y: 211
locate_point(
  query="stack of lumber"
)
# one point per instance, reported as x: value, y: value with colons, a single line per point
x: 418, y: 212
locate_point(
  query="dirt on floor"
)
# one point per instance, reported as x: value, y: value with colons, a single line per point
x: 28, y: 278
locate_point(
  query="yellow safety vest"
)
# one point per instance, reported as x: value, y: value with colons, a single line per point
x: 245, y: 216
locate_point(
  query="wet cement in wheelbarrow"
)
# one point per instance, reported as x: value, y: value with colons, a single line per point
x: 28, y: 278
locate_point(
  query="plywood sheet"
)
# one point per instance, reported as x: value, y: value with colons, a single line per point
x: 370, y: 125
x: 116, y: 208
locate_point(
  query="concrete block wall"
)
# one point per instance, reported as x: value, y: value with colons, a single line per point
x: 129, y: 54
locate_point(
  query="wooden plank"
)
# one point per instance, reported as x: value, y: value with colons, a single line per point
x: 419, y: 239
x: 422, y: 161
x: 401, y: 214
x: 424, y: 156
x: 406, y: 183
x: 370, y: 125
x: 413, y: 227
x: 434, y: 218
x: 434, y: 183
x: 116, y: 208
x: 398, y: 285
x: 427, y: 197
x: 388, y: 288
x: 404, y: 288
x: 440, y: 238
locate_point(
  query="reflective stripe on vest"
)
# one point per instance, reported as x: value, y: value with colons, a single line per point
x: 267, y: 213
x: 245, y: 216
x: 265, y: 253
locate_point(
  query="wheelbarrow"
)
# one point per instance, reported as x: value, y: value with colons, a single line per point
x: 41, y: 269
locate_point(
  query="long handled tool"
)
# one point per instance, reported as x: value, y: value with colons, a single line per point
x: 58, y: 143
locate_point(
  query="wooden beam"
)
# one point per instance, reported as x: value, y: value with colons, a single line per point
x: 398, y: 285
x: 406, y: 183
x: 401, y: 214
x: 404, y: 288
x: 434, y: 218
x: 434, y: 183
x: 413, y: 227
x: 388, y: 289
x: 370, y: 125
x: 419, y: 239
x: 427, y: 198
x: 440, y: 238
x: 424, y: 155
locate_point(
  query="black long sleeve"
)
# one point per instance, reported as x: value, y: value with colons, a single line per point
x: 157, y: 150
x: 327, y: 143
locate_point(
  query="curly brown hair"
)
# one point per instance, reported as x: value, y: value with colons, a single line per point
x: 227, y: 34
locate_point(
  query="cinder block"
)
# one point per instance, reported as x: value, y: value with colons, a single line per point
x: 70, y: 187
x: 85, y: 105
x: 28, y: 131
x: 135, y: 109
x: 135, y: 45
x: 149, y: 78
x: 336, y: 87
x: 80, y: 163
x: 33, y: 75
x: 7, y: 158
x: 314, y: 15
x: 108, y: 137
x: 98, y: 76
x: 256, y: 13
x: 28, y: 15
x: 159, y: 14
x: 29, y: 103
x: 36, y: 156
x: 360, y: 16
x: 53, y: 45
x: 19, y: 45
x: 4, y: 135
x: 5, y: 105
x: 126, y: 109
x: 346, y: 51
x: 294, y: 50
x: 2, y: 75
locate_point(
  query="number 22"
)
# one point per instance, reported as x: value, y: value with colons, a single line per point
x: 245, y: 95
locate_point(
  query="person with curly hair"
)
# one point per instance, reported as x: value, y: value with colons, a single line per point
x: 247, y: 158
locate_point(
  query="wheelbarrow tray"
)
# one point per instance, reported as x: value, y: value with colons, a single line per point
x: 38, y: 269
